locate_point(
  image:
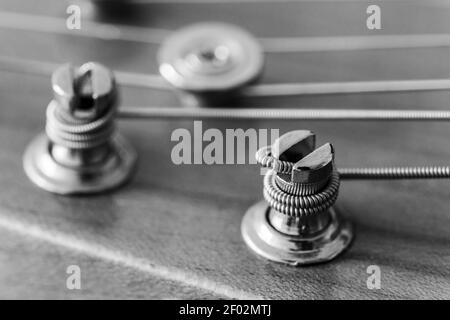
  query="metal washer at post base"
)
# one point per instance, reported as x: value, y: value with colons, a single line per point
x: 271, y: 244
x: 207, y: 62
x: 47, y: 173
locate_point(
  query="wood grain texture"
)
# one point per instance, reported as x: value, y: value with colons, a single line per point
x: 187, y: 218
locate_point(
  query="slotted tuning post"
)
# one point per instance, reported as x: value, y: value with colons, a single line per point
x: 80, y: 152
x: 297, y: 223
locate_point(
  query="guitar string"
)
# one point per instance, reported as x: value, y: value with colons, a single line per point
x: 395, y: 173
x: 65, y: 135
x: 295, y: 114
x: 47, y: 24
x: 344, y: 87
x: 165, y: 112
x: 380, y: 173
x: 154, y: 81
x: 45, y: 68
x: 180, y: 113
x: 103, y: 31
x: 258, y: 90
x: 266, y: 159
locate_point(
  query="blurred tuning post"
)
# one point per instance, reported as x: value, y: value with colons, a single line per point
x: 208, y: 64
x: 81, y: 152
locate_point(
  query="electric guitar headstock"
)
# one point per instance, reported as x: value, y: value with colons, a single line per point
x: 139, y: 170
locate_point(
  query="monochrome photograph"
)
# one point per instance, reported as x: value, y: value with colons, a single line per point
x: 202, y: 151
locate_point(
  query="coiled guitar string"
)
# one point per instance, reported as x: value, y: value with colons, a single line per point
x: 66, y: 130
x: 265, y: 158
x: 300, y: 205
x: 298, y: 200
x: 299, y: 189
x: 302, y: 200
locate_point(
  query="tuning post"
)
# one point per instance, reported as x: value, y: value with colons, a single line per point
x: 297, y: 223
x: 80, y: 152
x: 209, y: 63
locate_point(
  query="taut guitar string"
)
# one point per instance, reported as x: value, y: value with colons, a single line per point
x: 47, y: 24
x: 180, y: 113
x: 45, y: 68
x: 154, y: 81
x: 425, y: 172
x: 170, y: 112
x: 380, y: 173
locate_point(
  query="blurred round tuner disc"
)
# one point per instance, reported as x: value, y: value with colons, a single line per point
x: 210, y: 57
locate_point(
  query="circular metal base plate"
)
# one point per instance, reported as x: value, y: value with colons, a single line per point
x: 266, y: 241
x: 44, y: 171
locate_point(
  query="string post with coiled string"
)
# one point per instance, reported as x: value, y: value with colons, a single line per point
x: 297, y: 223
x: 80, y: 152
